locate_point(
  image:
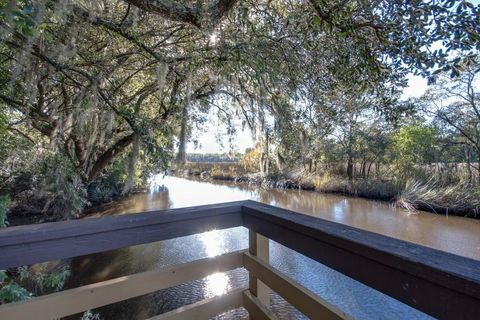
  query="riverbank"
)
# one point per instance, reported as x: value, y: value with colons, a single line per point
x: 27, y: 209
x: 456, y: 199
x: 369, y: 189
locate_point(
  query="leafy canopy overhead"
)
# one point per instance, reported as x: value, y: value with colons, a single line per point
x: 93, y: 78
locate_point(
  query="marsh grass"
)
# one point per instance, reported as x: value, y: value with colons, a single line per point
x: 216, y: 170
x: 367, y: 188
x: 432, y: 190
x: 460, y: 198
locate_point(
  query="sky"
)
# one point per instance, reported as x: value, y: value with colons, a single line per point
x: 213, y: 138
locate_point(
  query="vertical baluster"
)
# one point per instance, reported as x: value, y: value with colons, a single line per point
x: 258, y: 246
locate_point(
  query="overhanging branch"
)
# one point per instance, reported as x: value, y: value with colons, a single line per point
x: 195, y: 16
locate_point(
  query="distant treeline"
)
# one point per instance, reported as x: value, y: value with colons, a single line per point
x: 214, y: 157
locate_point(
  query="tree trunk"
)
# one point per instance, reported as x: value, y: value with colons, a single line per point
x: 264, y: 146
x: 280, y: 161
x: 261, y: 161
x: 132, y: 165
x: 267, y: 162
x: 182, y: 144
x: 468, y: 155
x: 350, y: 167
x: 364, y: 168
x: 478, y: 164
x: 369, y: 169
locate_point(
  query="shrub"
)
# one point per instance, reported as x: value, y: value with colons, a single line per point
x: 250, y: 161
x: 89, y: 315
x: 10, y: 291
x: 64, y: 188
x: 37, y: 278
x: 45, y: 280
x: 4, y: 203
x: 411, y: 146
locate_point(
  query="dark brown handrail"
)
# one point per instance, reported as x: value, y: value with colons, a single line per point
x: 441, y: 284
x: 438, y: 283
x: 58, y: 240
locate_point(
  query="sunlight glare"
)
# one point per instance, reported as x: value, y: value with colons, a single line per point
x: 213, y: 38
x: 214, y: 243
x: 217, y: 284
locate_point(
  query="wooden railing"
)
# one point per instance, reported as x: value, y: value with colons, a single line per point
x: 440, y: 284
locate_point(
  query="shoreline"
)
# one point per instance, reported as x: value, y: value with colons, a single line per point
x: 23, y: 214
x: 354, y: 189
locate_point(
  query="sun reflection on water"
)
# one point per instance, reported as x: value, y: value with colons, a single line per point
x: 217, y: 284
x: 214, y: 243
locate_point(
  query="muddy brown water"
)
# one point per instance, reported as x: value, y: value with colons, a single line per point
x: 456, y: 235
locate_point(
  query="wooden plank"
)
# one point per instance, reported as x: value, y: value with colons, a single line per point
x: 300, y: 297
x: 438, y: 283
x: 92, y: 296
x: 51, y: 241
x: 256, y: 310
x: 252, y: 248
x: 205, y: 309
x: 259, y: 247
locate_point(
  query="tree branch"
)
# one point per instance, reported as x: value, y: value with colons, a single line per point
x: 179, y: 12
x: 105, y: 159
x: 169, y: 9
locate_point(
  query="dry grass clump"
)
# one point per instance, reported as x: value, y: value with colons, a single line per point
x: 217, y: 170
x: 225, y: 172
x: 372, y: 189
x: 375, y: 189
x: 329, y: 183
x: 459, y: 199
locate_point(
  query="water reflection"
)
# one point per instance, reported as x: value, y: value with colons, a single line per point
x: 454, y: 234
x: 183, y: 193
x: 213, y: 242
x: 217, y: 284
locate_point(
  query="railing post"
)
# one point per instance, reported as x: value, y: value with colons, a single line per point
x: 258, y: 246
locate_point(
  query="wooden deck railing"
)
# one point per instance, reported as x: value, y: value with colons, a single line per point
x: 440, y: 284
